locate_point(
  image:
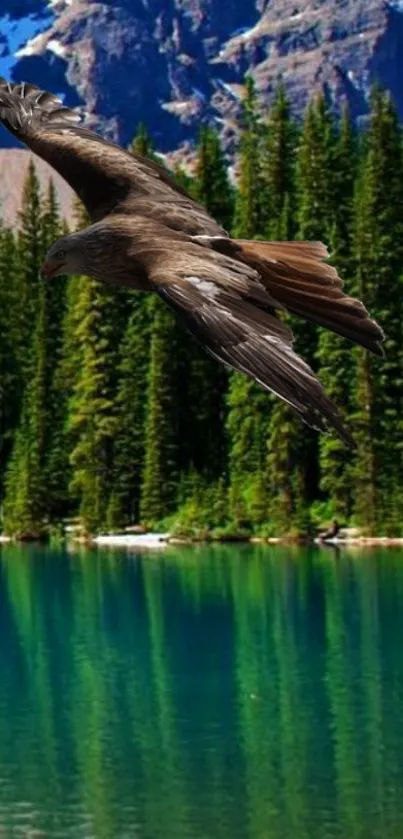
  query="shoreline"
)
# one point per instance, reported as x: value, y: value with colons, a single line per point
x: 350, y: 538
x: 165, y: 540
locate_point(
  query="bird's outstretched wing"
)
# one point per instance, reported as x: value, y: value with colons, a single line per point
x: 105, y: 177
x: 222, y: 304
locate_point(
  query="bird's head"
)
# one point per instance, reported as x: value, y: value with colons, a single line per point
x: 64, y: 257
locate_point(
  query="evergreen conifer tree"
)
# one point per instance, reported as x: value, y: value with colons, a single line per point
x: 184, y: 180
x: 379, y: 385
x: 32, y: 454
x: 22, y: 509
x: 315, y: 185
x: 92, y: 409
x: 30, y: 253
x: 161, y: 474
x: 248, y: 404
x: 142, y: 142
x: 202, y: 422
x: 280, y: 204
x: 54, y: 302
x: 247, y: 427
x: 194, y: 383
x: 131, y: 405
x: 293, y: 467
x: 336, y: 355
x: 212, y: 187
x: 278, y: 167
x: 10, y: 374
x: 249, y: 219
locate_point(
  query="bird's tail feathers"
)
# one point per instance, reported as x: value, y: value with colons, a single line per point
x: 297, y: 278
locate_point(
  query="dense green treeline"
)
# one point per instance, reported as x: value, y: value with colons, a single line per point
x: 109, y: 411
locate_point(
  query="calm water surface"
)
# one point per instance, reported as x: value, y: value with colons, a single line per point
x: 215, y: 693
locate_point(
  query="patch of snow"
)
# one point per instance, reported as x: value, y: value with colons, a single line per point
x: 176, y: 107
x: 199, y: 94
x: 250, y: 33
x: 30, y: 47
x: 56, y: 47
x: 227, y: 87
x: 240, y: 31
x: 241, y: 35
x: 59, y: 5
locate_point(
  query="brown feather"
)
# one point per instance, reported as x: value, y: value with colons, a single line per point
x: 297, y: 279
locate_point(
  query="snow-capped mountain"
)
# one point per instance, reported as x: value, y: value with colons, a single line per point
x: 171, y: 63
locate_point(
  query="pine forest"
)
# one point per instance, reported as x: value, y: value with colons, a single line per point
x: 110, y: 413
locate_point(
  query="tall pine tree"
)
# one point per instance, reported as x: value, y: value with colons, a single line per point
x: 278, y: 169
x: 207, y: 381
x: 315, y: 184
x: 280, y: 191
x: 379, y: 386
x: 92, y: 409
x: 249, y: 219
x: 162, y: 442
x: 131, y: 404
x: 335, y: 354
x: 28, y: 501
x: 212, y: 187
x: 248, y: 404
x: 54, y: 303
x: 10, y: 373
x: 30, y: 252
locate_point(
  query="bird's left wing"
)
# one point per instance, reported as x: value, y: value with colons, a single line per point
x: 105, y: 176
x: 95, y: 170
x: 224, y: 305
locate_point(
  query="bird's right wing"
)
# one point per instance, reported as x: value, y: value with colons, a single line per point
x: 103, y: 175
x: 222, y: 303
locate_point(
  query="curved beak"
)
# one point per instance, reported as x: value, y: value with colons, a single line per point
x: 50, y: 268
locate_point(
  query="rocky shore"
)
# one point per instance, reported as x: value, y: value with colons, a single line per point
x: 349, y: 538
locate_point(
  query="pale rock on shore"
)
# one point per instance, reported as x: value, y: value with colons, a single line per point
x: 132, y: 540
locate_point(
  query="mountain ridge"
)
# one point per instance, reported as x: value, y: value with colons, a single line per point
x: 175, y: 63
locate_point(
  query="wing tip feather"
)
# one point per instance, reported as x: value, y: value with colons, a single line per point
x: 24, y: 105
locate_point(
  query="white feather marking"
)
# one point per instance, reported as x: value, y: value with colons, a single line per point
x: 206, y: 287
x: 204, y: 236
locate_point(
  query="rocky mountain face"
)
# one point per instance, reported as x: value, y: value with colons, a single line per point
x: 173, y: 63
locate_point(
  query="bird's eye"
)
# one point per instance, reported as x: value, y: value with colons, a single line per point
x: 61, y: 254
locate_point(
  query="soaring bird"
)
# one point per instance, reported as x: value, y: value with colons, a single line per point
x: 148, y: 234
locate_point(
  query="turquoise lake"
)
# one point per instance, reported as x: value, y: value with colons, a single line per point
x: 201, y: 693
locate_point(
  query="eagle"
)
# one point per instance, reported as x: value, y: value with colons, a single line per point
x: 147, y: 233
